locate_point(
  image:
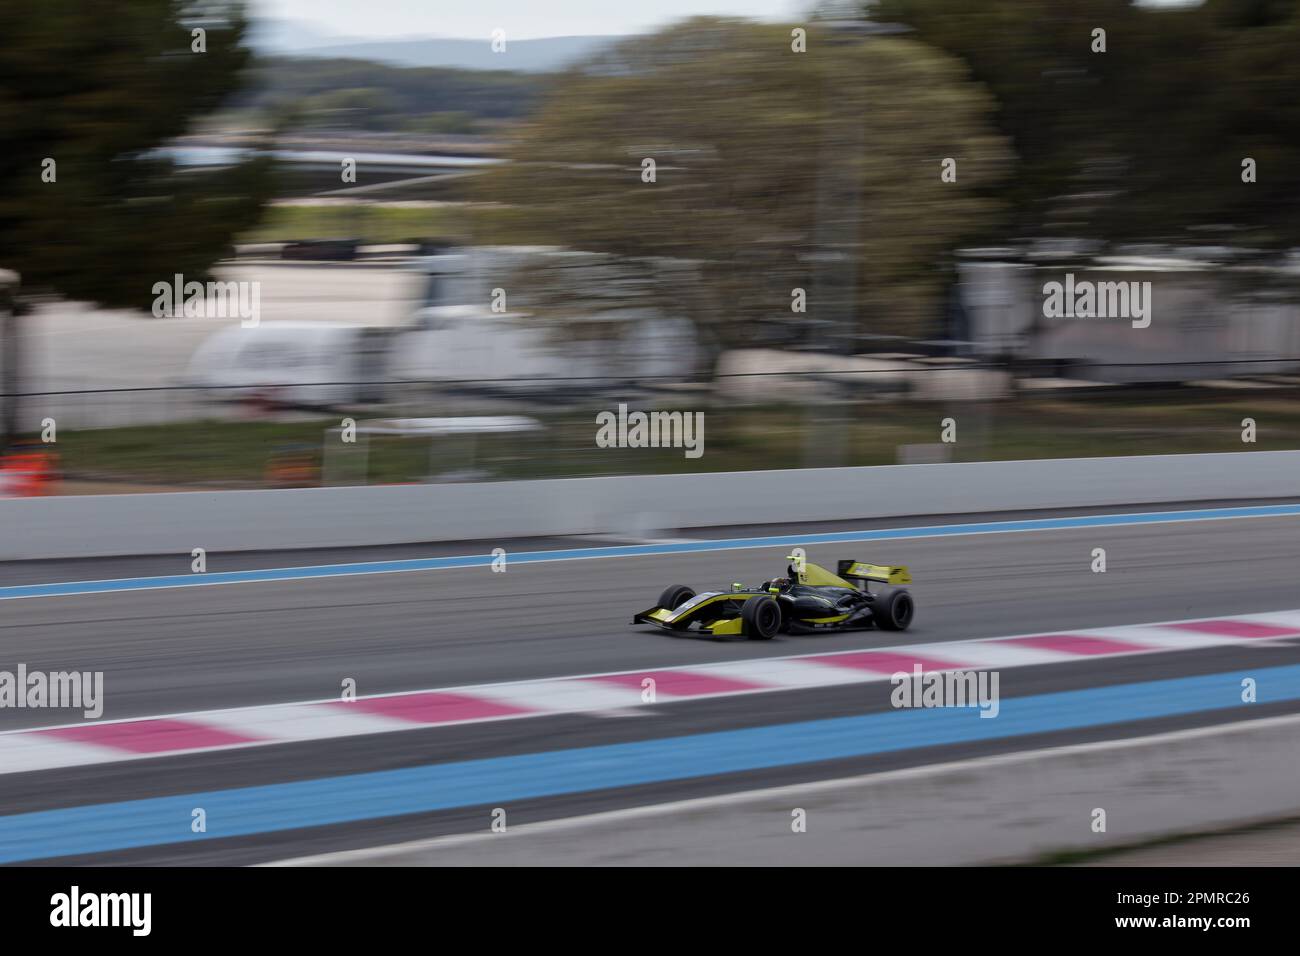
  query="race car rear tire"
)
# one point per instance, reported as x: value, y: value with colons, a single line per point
x: 760, y: 618
x: 893, y: 610
x: 675, y: 596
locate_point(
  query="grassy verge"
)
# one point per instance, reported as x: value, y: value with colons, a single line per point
x: 237, y: 454
x: 369, y: 223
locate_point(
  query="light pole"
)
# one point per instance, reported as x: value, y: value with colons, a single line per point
x: 10, y: 359
x: 837, y: 242
x: 837, y: 245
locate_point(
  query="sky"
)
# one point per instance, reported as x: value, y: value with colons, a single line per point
x: 522, y: 19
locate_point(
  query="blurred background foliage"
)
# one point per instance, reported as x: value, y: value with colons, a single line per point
x: 767, y: 162
x: 1142, y: 143
x: 775, y: 169
x: 98, y: 88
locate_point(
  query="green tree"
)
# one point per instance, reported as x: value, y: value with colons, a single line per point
x: 769, y: 163
x: 97, y: 88
x: 1143, y: 142
x: 1055, y: 94
x: 1248, y: 65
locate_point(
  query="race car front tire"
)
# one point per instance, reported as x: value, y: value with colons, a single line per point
x: 760, y: 618
x: 892, y: 610
x: 675, y: 596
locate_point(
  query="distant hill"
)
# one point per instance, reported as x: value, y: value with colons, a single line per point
x: 363, y: 94
x: 291, y: 38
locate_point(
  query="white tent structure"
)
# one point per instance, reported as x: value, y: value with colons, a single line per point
x: 452, y: 444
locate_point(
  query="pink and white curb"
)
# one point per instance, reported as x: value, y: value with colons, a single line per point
x: 94, y: 742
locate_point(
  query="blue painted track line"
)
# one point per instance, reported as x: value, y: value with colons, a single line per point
x: 262, y: 575
x: 497, y: 781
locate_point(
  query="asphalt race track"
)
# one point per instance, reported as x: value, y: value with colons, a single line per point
x: 179, y: 650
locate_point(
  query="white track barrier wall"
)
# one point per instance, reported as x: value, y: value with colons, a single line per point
x: 101, y: 525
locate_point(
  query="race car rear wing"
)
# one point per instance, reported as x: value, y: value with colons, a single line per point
x: 883, y: 573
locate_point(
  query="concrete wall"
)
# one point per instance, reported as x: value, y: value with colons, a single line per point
x: 329, y: 517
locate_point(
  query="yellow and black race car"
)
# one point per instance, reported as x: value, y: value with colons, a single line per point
x: 808, y: 599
